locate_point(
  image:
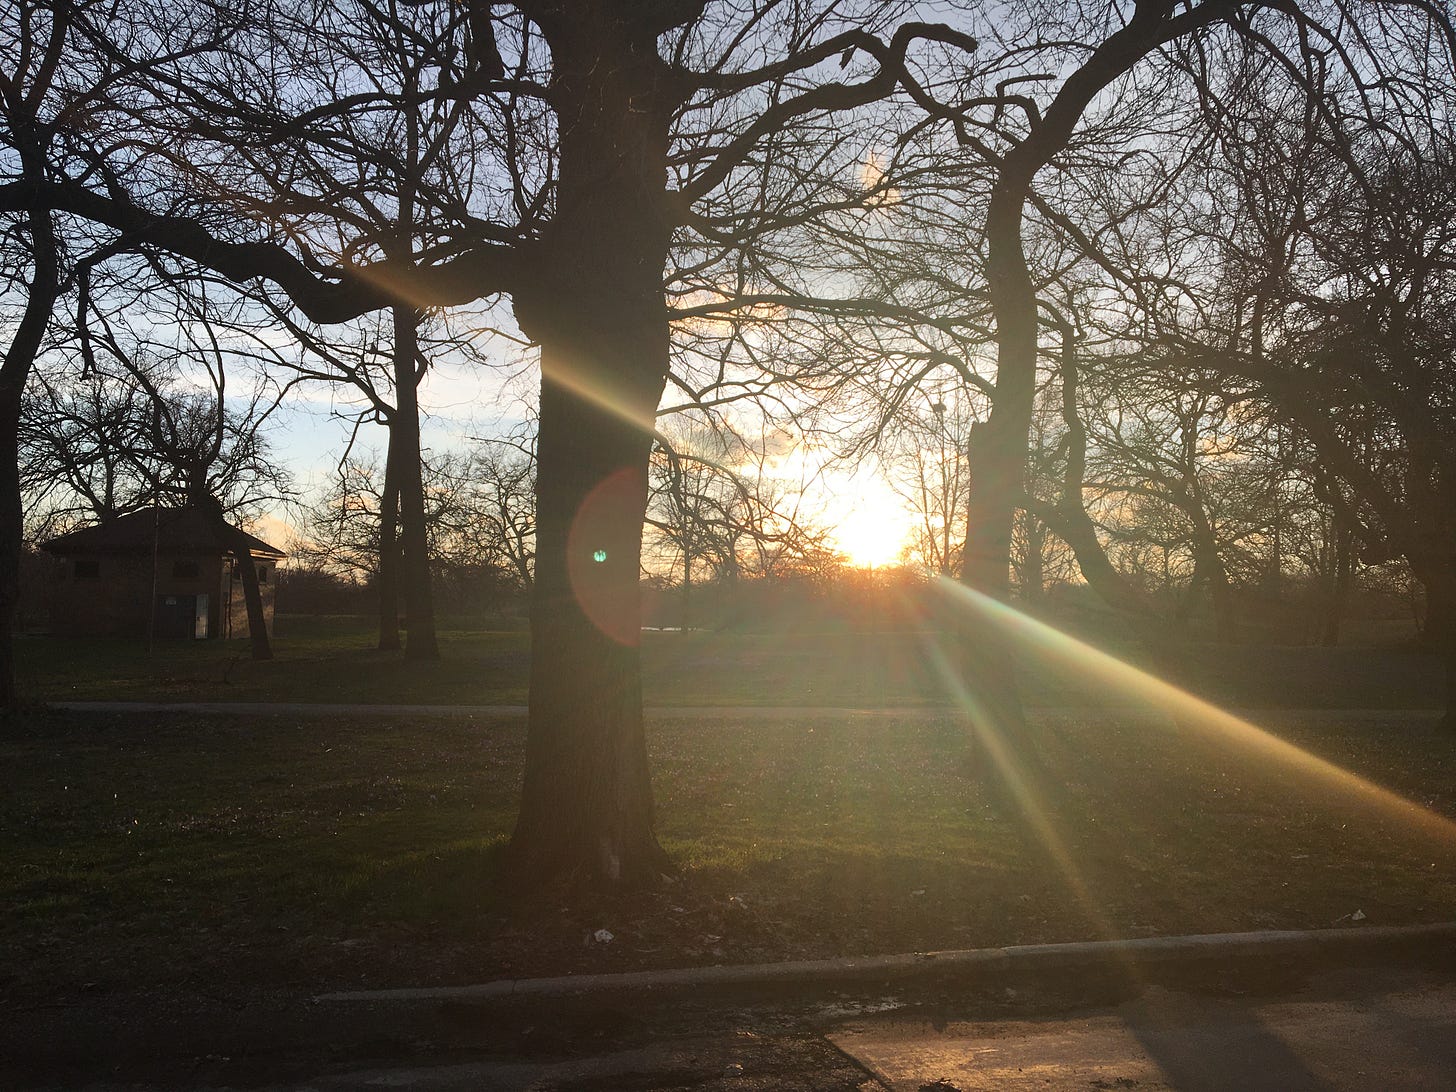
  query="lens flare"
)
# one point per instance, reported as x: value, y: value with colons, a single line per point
x: 1190, y: 714
x: 600, y: 561
x: 1026, y: 794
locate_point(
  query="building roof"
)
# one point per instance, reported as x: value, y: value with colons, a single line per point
x: 168, y: 530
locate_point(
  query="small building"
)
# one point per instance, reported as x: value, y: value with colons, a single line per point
x: 162, y: 571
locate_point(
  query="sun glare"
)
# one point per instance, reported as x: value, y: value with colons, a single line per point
x: 1050, y: 648
x: 869, y: 523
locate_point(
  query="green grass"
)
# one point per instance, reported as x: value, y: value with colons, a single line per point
x: 175, y: 852
x: 333, y: 660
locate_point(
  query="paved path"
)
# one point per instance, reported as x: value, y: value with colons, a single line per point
x: 1399, y: 1035
x: 1364, y: 1029
x: 685, y: 712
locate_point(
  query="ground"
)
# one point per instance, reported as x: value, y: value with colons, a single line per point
x: 333, y: 660
x: 172, y: 871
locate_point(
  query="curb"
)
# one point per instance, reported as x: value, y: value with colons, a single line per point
x: 971, y: 967
x: 695, y: 712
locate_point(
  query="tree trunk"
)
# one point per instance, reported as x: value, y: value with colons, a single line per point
x: 1033, y: 575
x: 998, y: 454
x: 1343, y: 579
x: 43, y: 292
x: 12, y: 534
x: 999, y: 446
x: 687, y: 592
x: 586, y: 806
x: 587, y: 809
x: 242, y: 551
x: 1068, y: 518
x: 419, y: 605
x: 261, y: 646
x: 1440, y: 629
x: 1220, y: 595
x: 387, y: 582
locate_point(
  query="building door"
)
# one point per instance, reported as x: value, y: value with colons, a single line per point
x: 199, y: 624
x: 176, y: 616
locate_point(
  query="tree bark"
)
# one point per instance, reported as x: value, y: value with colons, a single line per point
x: 1033, y: 575
x: 258, y: 640
x: 387, y: 579
x: 420, y: 642
x: 687, y: 590
x: 998, y: 451
x: 1343, y: 579
x: 1220, y: 595
x: 597, y: 311
x: 12, y: 534
x: 1068, y: 519
x: 43, y: 292
x: 999, y: 446
x: 1440, y: 628
x: 241, y: 549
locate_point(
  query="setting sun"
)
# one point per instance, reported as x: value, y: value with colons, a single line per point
x: 870, y: 523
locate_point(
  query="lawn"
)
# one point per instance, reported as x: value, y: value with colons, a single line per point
x: 168, y: 854
x: 333, y: 660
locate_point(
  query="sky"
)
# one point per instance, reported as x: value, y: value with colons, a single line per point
x: 869, y: 523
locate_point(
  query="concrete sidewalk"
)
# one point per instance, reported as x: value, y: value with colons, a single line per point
x: 1390, y: 1031
x: 1364, y: 1030
x: 1350, y: 1009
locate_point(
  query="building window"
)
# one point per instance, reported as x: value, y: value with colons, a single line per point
x: 87, y: 570
x: 187, y: 570
x: 262, y: 574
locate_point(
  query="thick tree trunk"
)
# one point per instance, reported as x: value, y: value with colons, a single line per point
x: 12, y: 534
x: 1220, y: 594
x: 419, y: 604
x: 586, y: 807
x: 44, y: 291
x: 997, y: 457
x: 387, y: 581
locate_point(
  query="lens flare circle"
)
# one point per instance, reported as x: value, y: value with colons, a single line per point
x: 601, y: 562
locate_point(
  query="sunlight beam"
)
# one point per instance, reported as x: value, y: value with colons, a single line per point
x: 1190, y: 713
x: 990, y: 735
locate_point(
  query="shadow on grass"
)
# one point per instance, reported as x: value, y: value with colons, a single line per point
x: 149, y: 849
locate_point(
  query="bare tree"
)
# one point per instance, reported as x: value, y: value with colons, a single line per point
x: 594, y: 107
x: 76, y: 447
x: 479, y: 515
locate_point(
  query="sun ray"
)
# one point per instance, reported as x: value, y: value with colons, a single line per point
x: 989, y: 733
x: 1190, y: 713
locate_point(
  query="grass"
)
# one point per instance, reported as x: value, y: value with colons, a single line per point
x: 172, y: 853
x: 333, y: 660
